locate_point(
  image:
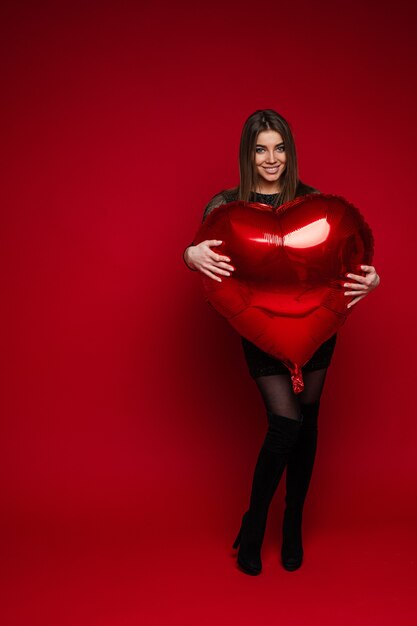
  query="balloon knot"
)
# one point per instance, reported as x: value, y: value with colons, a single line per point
x: 297, y: 379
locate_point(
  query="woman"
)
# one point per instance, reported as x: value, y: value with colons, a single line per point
x: 269, y: 174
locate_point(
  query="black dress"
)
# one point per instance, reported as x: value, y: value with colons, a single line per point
x: 261, y: 363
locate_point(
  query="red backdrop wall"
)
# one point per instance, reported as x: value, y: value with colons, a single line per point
x: 126, y: 399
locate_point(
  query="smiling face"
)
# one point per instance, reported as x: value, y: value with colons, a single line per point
x: 270, y: 160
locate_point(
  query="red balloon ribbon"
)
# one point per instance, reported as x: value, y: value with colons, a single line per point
x: 286, y: 294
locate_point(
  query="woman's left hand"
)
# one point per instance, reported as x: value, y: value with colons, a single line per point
x: 366, y: 284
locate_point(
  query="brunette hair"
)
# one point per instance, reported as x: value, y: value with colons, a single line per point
x: 266, y: 119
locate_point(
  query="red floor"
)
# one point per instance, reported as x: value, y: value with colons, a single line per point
x: 178, y: 572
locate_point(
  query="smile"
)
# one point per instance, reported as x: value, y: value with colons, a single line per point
x: 272, y: 170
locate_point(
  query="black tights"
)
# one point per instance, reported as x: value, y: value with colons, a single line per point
x: 279, y: 397
x: 288, y: 442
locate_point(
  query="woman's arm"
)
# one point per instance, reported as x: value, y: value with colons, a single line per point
x: 201, y: 257
x: 215, y: 202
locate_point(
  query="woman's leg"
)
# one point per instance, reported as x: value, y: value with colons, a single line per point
x: 278, y: 395
x: 284, y: 424
x: 313, y: 386
x: 300, y: 467
x: 284, y: 421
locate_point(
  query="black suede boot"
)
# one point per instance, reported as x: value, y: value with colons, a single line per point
x: 280, y: 438
x: 299, y: 471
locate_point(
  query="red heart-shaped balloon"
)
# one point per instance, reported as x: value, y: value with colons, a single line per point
x: 286, y: 294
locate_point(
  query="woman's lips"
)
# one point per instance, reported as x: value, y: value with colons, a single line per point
x: 272, y: 170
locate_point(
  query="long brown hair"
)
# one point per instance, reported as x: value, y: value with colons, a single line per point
x: 266, y: 119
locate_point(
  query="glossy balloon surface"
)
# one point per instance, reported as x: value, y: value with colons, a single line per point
x: 286, y: 294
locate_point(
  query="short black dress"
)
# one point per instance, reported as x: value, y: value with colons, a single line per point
x: 261, y: 363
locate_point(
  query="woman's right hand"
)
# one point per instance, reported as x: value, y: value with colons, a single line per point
x: 202, y: 258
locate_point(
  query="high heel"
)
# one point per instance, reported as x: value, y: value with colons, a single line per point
x: 237, y: 540
x: 250, y: 542
x: 292, y: 546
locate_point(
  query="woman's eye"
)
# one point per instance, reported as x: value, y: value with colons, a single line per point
x: 279, y: 148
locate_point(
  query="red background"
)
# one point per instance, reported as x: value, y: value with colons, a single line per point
x: 130, y: 425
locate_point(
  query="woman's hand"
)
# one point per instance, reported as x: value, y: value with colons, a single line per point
x: 202, y: 258
x: 366, y: 284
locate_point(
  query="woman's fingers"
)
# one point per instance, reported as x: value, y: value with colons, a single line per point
x: 214, y: 255
x: 354, y: 301
x: 211, y: 275
x: 221, y: 260
x: 364, y: 284
x: 356, y: 287
x: 361, y: 279
x: 370, y: 280
x: 224, y: 265
x: 219, y: 257
x: 218, y: 270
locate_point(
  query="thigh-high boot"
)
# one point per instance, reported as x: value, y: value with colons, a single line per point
x: 298, y: 475
x: 280, y: 438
